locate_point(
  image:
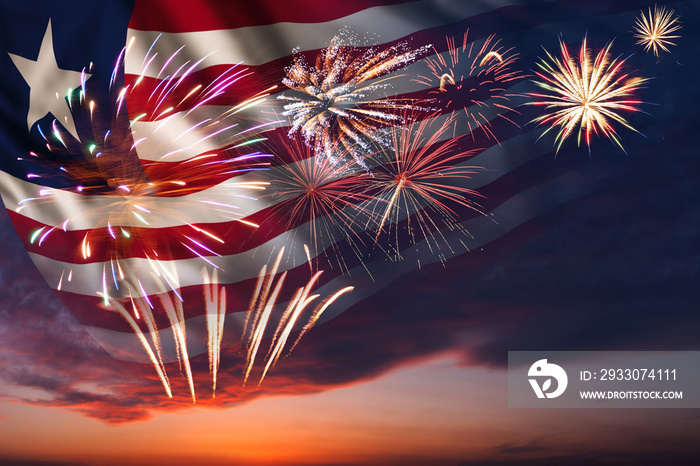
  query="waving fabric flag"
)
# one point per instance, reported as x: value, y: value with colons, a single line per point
x: 232, y: 59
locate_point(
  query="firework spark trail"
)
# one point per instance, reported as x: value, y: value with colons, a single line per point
x: 261, y: 324
x: 586, y: 94
x: 261, y: 307
x: 295, y: 302
x: 290, y: 318
x: 215, y: 306
x: 332, y: 104
x: 655, y: 30
x: 142, y: 307
x: 252, y: 308
x: 308, y: 257
x: 174, y: 312
x: 317, y: 312
x: 287, y: 322
x: 423, y: 175
x: 262, y: 290
x: 300, y: 300
x: 467, y: 77
x: 172, y: 307
x: 156, y: 361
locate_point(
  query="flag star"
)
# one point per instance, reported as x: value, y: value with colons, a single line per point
x: 49, y: 85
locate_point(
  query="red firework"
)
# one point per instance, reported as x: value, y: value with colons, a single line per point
x: 473, y: 79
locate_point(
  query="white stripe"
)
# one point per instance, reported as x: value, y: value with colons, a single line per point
x: 56, y: 206
x: 256, y: 45
x: 521, y: 208
x: 246, y: 265
x: 173, y: 139
x: 209, y: 128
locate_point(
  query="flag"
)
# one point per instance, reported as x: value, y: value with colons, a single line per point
x: 232, y: 56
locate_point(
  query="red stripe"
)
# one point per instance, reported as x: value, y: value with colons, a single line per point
x: 140, y: 101
x: 204, y: 15
x: 178, y: 16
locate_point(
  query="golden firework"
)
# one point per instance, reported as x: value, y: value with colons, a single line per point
x: 585, y: 95
x: 655, y: 30
x: 338, y: 101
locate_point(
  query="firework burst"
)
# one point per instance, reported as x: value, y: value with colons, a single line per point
x: 323, y: 197
x: 473, y: 79
x: 337, y: 101
x: 655, y: 31
x: 585, y: 96
x: 423, y: 178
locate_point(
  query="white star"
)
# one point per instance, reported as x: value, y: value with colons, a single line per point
x: 48, y: 85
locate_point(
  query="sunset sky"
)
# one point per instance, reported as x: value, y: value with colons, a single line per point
x: 415, y: 373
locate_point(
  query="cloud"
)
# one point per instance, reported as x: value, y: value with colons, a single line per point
x: 616, y: 459
x: 519, y: 448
